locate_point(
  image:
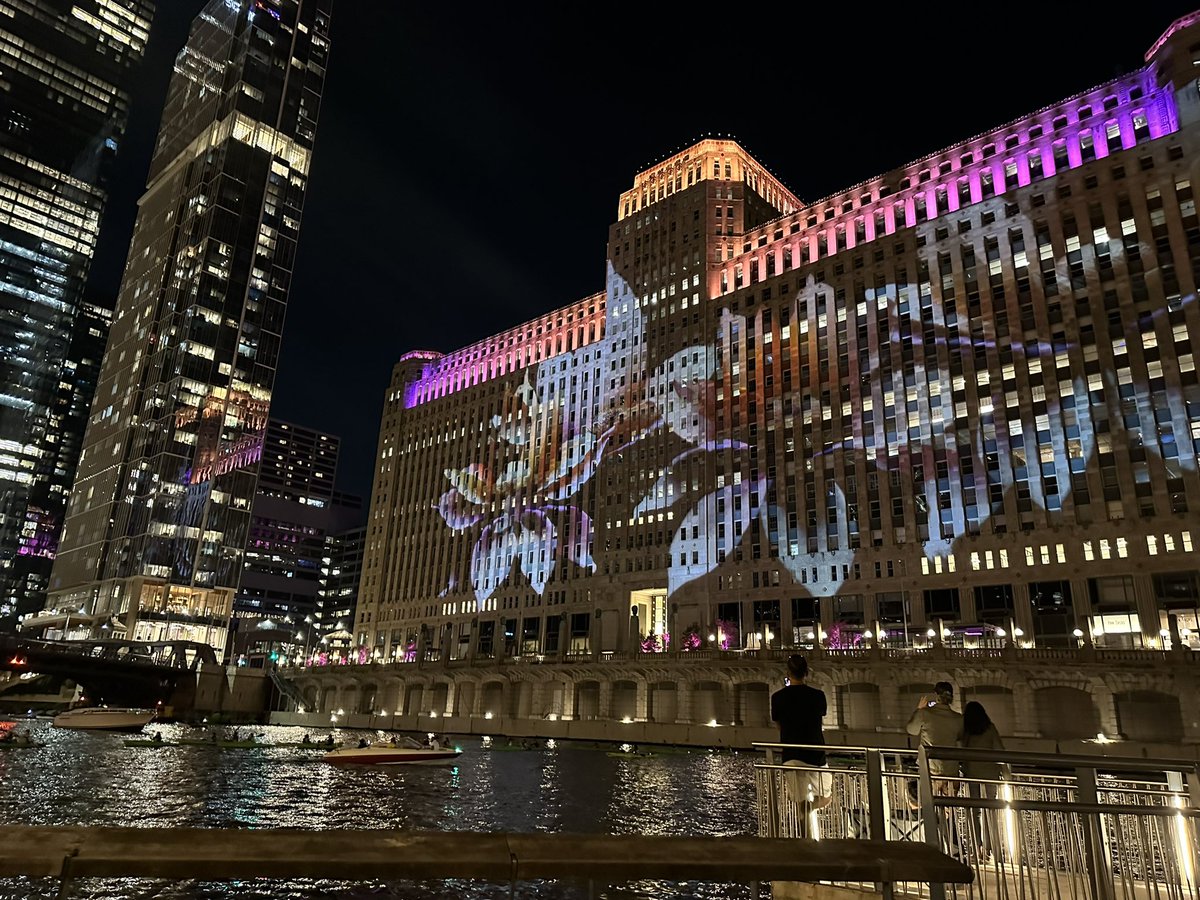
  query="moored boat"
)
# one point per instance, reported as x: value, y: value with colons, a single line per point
x: 392, y: 755
x: 104, y: 718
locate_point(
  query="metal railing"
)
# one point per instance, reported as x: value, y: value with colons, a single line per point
x: 1049, y: 827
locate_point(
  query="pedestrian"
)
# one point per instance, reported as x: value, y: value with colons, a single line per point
x: 937, y: 724
x: 798, y: 708
x: 979, y: 733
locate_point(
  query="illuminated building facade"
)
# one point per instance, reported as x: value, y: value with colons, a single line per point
x: 961, y: 392
x: 160, y: 512
x: 296, y: 512
x: 64, y: 104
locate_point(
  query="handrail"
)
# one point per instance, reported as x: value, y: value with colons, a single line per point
x: 1063, y: 760
x: 1090, y: 809
x: 234, y: 854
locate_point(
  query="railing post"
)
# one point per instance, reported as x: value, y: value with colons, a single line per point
x: 774, y: 808
x: 1096, y: 859
x: 929, y: 817
x: 876, y: 811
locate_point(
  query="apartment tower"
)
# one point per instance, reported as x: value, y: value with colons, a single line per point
x: 160, y: 512
x: 957, y: 401
x: 68, y: 68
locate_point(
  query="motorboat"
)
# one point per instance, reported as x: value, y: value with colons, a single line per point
x: 390, y: 754
x: 104, y: 718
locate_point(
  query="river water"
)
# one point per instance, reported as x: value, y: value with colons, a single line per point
x: 81, y: 778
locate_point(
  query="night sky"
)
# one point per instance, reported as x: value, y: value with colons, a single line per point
x: 469, y: 158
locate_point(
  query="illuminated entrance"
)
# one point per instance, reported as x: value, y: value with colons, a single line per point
x: 649, y: 609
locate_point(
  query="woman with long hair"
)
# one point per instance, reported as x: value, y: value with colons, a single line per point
x: 980, y: 733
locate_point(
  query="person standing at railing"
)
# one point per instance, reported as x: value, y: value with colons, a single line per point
x: 799, y: 708
x: 979, y: 733
x: 937, y: 724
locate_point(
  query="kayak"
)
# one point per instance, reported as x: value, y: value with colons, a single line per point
x: 311, y: 745
x: 142, y: 742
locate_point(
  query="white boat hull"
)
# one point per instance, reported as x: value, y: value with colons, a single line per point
x: 101, y: 718
x: 384, y: 755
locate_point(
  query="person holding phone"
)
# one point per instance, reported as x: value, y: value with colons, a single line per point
x: 937, y: 724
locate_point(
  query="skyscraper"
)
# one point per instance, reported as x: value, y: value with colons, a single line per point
x: 64, y: 103
x: 160, y: 511
x: 296, y: 512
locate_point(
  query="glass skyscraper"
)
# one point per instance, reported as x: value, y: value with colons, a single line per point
x: 160, y: 512
x: 65, y: 74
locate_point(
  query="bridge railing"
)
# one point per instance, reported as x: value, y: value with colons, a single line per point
x: 1053, y: 826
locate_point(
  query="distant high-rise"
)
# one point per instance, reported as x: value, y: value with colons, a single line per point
x: 67, y: 69
x: 160, y: 511
x: 296, y: 511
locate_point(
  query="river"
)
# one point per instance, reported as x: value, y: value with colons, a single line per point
x: 91, y: 778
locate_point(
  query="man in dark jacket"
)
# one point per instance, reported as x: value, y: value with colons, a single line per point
x: 799, y: 709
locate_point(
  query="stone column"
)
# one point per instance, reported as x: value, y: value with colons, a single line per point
x: 642, y: 701
x: 1147, y: 607
x: 892, y: 717
x: 568, y: 704
x: 473, y: 646
x: 1022, y: 612
x: 1025, y: 719
x: 1081, y: 603
x: 1106, y: 707
x: 683, y: 702
x: 604, y: 707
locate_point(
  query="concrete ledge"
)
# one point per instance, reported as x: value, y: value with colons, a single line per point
x: 228, y: 854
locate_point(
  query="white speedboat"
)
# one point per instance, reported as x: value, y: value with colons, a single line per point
x: 392, y: 755
x: 104, y: 718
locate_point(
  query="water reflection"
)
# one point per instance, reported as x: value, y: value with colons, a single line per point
x: 81, y: 778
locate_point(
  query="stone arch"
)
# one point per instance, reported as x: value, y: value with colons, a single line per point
x: 999, y: 703
x: 587, y: 700
x: 520, y: 699
x: 368, y: 697
x: 391, y: 700
x: 491, y: 698
x: 624, y: 699
x: 312, y: 697
x: 1066, y: 713
x: 1147, y: 715
x: 414, y: 698
x: 859, y: 706
x: 664, y: 702
x: 710, y: 702
x: 464, y: 698
x: 439, y: 697
x: 754, y: 704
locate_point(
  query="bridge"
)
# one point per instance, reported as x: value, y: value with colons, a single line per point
x: 112, y: 672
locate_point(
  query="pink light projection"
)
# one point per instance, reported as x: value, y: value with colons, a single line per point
x: 1116, y: 116
x: 564, y: 330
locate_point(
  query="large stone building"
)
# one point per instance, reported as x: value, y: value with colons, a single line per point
x: 68, y: 70
x: 942, y: 425
x: 959, y: 396
x: 161, y: 507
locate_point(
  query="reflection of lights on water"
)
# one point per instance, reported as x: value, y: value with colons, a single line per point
x: 486, y: 740
x: 626, y: 748
x: 551, y: 744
